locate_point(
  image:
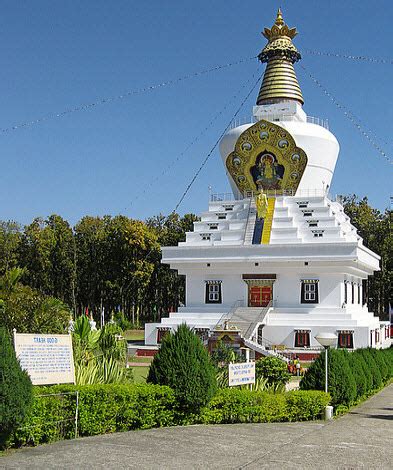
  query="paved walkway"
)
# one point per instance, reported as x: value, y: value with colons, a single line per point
x: 360, y: 439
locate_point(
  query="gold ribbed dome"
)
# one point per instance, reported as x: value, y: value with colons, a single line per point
x: 279, y: 81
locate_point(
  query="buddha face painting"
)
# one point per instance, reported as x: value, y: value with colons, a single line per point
x: 267, y: 173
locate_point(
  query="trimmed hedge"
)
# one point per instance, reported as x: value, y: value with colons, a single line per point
x: 110, y: 408
x: 102, y: 409
x: 353, y: 376
x: 234, y: 405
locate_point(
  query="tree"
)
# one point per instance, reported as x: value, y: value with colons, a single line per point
x: 27, y: 310
x: 10, y: 237
x: 15, y: 389
x: 183, y: 364
x: 341, y: 383
x: 377, y: 232
x: 166, y: 290
x: 47, y: 252
x: 273, y: 369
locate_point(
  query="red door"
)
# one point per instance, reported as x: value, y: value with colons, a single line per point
x: 266, y: 295
x: 255, y: 296
x: 260, y: 296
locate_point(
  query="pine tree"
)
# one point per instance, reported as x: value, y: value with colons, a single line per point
x: 15, y: 389
x: 183, y: 364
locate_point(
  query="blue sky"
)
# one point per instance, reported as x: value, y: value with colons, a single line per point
x: 117, y: 157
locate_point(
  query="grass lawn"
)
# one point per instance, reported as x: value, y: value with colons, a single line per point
x: 134, y: 335
x: 140, y: 374
x: 141, y: 360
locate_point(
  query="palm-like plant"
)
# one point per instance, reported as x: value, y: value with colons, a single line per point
x: 99, y: 355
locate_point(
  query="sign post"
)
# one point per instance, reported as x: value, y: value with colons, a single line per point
x: 48, y: 359
x: 241, y: 373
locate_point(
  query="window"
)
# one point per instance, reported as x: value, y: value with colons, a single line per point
x: 345, y: 292
x: 222, y: 216
x: 307, y: 214
x: 228, y: 208
x: 345, y: 339
x: 353, y: 292
x: 358, y: 293
x: 302, y: 204
x: 213, y: 226
x: 213, y: 292
x: 309, y: 291
x: 302, y: 339
x: 317, y: 233
x: 313, y: 224
x: 364, y: 291
x: 161, y: 333
x: 205, y: 236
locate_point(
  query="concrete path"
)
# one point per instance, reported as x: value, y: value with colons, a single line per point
x: 360, y: 439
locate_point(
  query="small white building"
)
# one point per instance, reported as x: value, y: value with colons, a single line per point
x: 278, y: 260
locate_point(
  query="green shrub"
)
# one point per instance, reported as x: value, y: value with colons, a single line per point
x: 372, y: 367
x: 342, y: 386
x: 15, y: 389
x: 50, y: 418
x: 356, y: 365
x: 183, y: 364
x: 102, y: 409
x: 380, y: 362
x: 302, y: 405
x: 366, y: 371
x: 235, y: 405
x: 273, y: 369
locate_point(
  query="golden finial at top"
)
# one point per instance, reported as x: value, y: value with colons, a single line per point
x: 279, y: 29
x: 279, y: 19
x: 279, y: 81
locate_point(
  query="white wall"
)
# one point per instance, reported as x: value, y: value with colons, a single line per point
x: 233, y: 288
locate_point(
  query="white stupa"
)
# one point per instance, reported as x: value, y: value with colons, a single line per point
x: 277, y: 261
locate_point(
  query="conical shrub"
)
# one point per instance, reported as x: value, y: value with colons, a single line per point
x: 183, y: 364
x: 16, y: 393
x: 341, y: 383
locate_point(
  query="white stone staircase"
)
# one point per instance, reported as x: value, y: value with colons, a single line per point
x: 264, y: 350
x: 250, y: 224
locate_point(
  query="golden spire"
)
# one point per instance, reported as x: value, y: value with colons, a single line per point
x: 279, y: 81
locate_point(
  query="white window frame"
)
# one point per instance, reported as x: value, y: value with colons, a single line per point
x: 310, y: 292
x: 214, y: 292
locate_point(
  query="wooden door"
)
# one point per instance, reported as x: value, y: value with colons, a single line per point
x: 259, y: 296
x: 266, y: 295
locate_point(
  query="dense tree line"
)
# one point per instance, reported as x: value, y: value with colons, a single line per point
x: 103, y: 262
x: 376, y: 229
x: 114, y: 262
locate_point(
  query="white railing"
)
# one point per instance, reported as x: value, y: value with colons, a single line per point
x: 243, y: 120
x: 259, y: 319
x: 218, y: 197
x: 225, y: 317
x: 277, y: 118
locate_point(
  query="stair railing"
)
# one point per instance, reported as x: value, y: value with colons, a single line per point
x: 248, y: 216
x: 270, y: 346
x: 259, y: 318
x: 225, y: 317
